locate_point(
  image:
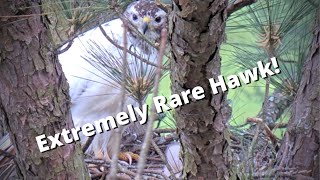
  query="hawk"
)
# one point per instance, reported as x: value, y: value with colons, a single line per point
x: 92, y: 63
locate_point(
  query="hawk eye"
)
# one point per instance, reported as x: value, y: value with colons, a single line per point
x: 134, y: 17
x: 158, y: 19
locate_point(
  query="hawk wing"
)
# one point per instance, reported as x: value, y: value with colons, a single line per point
x: 93, y: 94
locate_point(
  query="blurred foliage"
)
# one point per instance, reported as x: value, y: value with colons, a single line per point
x: 267, y: 28
x: 69, y: 18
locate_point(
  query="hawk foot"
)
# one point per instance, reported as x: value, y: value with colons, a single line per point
x: 128, y: 157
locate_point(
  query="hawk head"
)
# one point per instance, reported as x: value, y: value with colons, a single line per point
x: 147, y: 17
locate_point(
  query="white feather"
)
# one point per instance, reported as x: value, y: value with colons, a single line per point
x: 93, y: 95
x: 173, y: 159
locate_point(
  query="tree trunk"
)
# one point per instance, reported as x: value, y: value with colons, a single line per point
x: 300, y: 148
x: 34, y: 94
x: 196, y: 33
x: 2, y: 128
x: 275, y: 106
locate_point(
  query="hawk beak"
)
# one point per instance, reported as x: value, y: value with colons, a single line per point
x: 145, y: 24
x: 144, y: 27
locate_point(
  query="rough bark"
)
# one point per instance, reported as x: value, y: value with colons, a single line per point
x: 2, y: 128
x: 276, y: 104
x: 196, y: 31
x: 300, y: 148
x: 57, y: 21
x: 34, y: 94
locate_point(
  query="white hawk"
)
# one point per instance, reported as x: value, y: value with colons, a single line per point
x: 95, y: 95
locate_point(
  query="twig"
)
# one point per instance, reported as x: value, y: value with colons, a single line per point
x: 154, y: 159
x: 164, y: 159
x: 107, y: 165
x: 6, y: 154
x: 127, y: 171
x: 279, y: 172
x: 237, y: 5
x: 9, y: 163
x: 266, y: 98
x: 130, y: 52
x: 60, y: 51
x: 149, y: 132
x: 115, y: 156
x: 269, y: 133
x: 98, y: 175
x: 285, y: 152
x: 103, y: 176
x: 254, y: 120
x: 165, y: 130
x: 278, y: 125
x: 87, y: 144
x: 253, y: 144
x: 151, y: 172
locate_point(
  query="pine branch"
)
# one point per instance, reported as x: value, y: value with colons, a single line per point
x: 237, y: 5
x: 130, y: 52
x: 148, y: 135
x: 115, y: 157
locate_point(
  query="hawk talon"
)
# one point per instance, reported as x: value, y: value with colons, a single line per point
x: 128, y: 157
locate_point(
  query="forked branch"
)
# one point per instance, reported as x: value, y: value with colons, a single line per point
x: 238, y: 4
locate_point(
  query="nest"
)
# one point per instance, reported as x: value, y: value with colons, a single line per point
x: 154, y: 167
x: 99, y: 169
